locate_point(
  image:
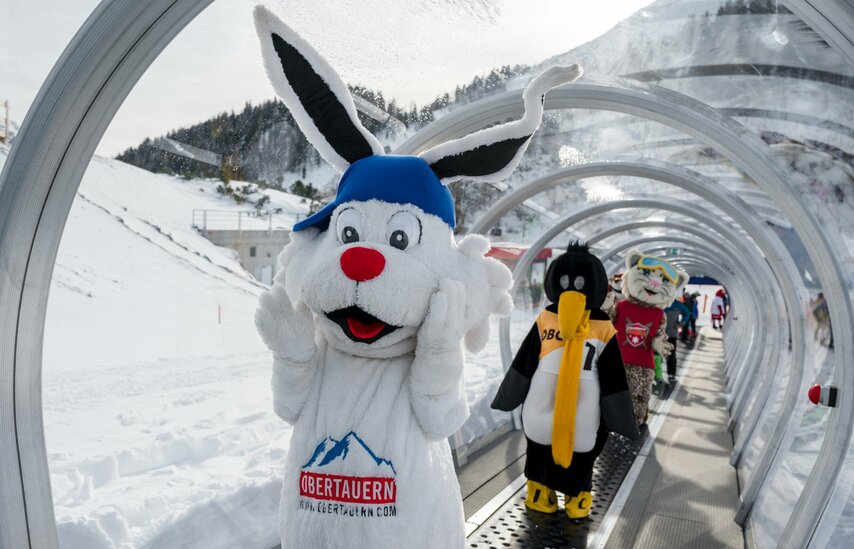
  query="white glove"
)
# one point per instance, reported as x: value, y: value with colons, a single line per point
x: 287, y: 330
x: 609, y: 306
x: 661, y: 346
x: 491, y: 295
x: 444, y: 325
x: 438, y: 399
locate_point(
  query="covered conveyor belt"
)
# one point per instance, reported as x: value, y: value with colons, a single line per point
x: 720, y: 141
x: 673, y: 488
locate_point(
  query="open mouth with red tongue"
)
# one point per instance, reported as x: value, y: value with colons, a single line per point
x: 359, y: 325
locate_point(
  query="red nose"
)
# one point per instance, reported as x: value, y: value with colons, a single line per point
x: 361, y: 264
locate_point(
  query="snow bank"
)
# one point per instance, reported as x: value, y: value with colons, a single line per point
x: 158, y: 417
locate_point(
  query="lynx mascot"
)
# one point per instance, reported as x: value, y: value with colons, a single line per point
x: 650, y: 284
x: 569, y: 375
x: 367, y: 315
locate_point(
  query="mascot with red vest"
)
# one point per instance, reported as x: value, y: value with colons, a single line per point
x: 650, y: 284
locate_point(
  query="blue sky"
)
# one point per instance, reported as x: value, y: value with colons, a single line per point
x: 412, y: 51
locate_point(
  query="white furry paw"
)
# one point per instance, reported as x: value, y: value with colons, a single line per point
x: 474, y: 245
x: 477, y: 338
x: 661, y: 346
x: 287, y: 330
x: 444, y: 325
x: 500, y: 281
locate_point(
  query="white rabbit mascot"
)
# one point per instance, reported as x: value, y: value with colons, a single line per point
x: 367, y: 315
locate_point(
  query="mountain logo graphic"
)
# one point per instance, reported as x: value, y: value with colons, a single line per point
x: 348, y: 471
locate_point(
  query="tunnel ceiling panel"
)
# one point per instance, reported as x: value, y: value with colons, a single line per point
x: 766, y: 69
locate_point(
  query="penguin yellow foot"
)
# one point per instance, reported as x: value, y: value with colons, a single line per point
x: 578, y: 507
x: 541, y: 498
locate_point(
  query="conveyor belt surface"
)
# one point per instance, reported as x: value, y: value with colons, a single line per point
x: 513, y: 525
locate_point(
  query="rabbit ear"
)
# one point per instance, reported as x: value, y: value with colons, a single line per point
x: 492, y: 154
x: 316, y: 96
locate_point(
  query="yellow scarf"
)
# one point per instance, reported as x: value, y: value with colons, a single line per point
x: 574, y: 324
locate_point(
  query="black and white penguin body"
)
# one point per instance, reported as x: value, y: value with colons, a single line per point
x: 601, y: 402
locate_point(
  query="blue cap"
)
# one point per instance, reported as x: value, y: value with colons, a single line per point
x: 394, y: 179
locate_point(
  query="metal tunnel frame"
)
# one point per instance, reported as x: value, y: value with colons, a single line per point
x: 81, y: 95
x: 775, y: 253
x: 716, y: 253
x: 584, y: 213
x: 676, y: 206
x: 749, y: 366
x: 685, y: 228
x: 753, y: 156
x: 56, y: 142
x: 748, y: 359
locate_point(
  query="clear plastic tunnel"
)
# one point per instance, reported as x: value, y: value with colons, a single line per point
x: 150, y: 179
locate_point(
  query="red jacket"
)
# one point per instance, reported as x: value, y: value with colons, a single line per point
x: 636, y: 326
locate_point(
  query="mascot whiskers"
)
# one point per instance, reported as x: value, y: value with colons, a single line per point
x: 650, y: 284
x: 367, y: 316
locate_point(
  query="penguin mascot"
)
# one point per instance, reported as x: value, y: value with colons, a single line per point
x: 569, y: 378
x: 367, y: 316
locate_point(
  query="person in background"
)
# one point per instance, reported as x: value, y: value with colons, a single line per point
x: 823, y: 331
x: 718, y: 310
x: 677, y: 314
x: 689, y: 329
x: 695, y: 314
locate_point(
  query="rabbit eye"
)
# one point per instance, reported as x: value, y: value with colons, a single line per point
x: 403, y: 230
x: 348, y: 225
x: 399, y: 239
x: 349, y: 234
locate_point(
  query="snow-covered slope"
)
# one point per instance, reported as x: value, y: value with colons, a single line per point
x: 158, y: 416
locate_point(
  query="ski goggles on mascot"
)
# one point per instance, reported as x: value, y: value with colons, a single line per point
x: 667, y: 270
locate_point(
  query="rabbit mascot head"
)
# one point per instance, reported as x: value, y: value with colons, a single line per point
x: 368, y: 263
x: 368, y: 312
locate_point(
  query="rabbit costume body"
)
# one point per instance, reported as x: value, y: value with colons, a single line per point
x: 367, y: 315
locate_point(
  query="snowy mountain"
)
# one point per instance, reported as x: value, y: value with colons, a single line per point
x: 262, y: 142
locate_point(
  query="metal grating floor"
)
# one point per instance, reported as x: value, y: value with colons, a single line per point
x: 514, y: 525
